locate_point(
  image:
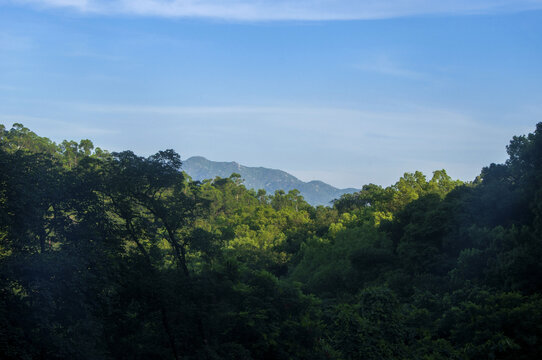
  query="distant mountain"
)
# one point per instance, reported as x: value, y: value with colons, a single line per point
x: 315, y: 192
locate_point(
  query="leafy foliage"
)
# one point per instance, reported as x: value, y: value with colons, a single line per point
x: 116, y: 256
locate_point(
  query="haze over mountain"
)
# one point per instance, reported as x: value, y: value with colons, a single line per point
x: 315, y: 192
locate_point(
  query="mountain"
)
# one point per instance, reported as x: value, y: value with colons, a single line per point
x: 315, y: 192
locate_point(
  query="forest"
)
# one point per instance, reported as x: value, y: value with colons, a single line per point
x: 111, y: 255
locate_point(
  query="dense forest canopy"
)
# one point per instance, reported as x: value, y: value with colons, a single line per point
x: 117, y: 256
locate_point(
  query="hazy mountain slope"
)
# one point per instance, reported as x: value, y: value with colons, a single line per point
x: 314, y: 192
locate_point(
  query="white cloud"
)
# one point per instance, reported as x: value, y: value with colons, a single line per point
x: 270, y: 10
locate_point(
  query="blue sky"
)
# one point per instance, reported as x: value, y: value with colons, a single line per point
x: 348, y: 92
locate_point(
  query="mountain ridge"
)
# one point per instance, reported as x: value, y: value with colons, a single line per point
x: 315, y: 192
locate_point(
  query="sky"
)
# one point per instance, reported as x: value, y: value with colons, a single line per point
x: 349, y: 92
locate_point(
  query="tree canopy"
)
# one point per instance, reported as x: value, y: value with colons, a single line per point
x: 118, y: 256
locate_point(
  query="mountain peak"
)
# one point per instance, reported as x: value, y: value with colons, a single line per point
x: 315, y: 192
x: 194, y: 159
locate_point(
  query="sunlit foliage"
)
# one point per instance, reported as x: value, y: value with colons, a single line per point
x: 116, y: 256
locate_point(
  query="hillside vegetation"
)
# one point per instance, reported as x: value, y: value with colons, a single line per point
x: 116, y: 256
x: 314, y: 192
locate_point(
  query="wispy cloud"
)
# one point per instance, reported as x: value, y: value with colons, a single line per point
x: 270, y: 10
x: 342, y: 146
x: 373, y: 125
x: 384, y: 65
x: 45, y: 124
x: 81, y: 53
